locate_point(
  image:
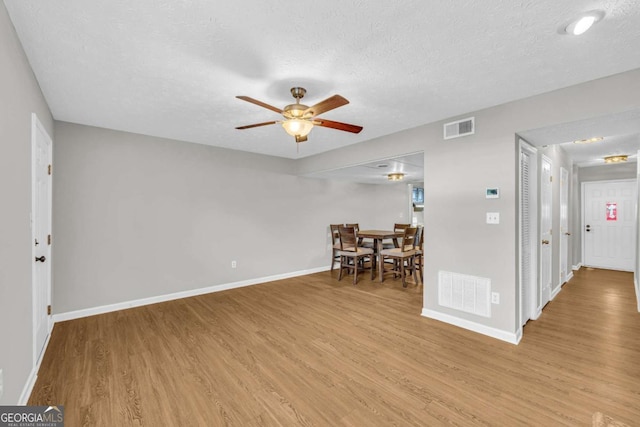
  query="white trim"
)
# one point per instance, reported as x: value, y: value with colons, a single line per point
x: 555, y: 292
x: 569, y: 276
x: 77, y: 314
x: 576, y: 267
x: 33, y: 376
x: 637, y: 286
x: 510, y: 337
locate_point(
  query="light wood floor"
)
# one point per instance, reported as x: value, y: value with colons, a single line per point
x: 315, y: 351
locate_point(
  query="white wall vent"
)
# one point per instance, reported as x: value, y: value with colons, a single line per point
x: 459, y: 128
x: 470, y: 294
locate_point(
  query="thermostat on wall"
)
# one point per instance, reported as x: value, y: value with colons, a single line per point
x: 493, y: 193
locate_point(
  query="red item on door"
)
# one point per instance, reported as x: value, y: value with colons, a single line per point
x: 612, y: 211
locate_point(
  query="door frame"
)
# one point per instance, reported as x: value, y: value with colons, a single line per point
x: 36, y: 127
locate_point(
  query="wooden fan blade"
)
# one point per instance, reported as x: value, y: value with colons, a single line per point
x: 322, y: 107
x: 260, y: 103
x: 256, y: 125
x: 337, y: 125
x: 301, y: 138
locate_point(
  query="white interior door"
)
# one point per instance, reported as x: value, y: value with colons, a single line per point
x: 609, y: 224
x: 564, y: 225
x: 41, y: 235
x: 546, y: 241
x: 528, y: 234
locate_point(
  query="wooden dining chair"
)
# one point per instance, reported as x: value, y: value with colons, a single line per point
x: 335, y: 238
x: 419, y: 246
x: 403, y: 257
x: 361, y: 241
x: 398, y: 228
x: 351, y: 255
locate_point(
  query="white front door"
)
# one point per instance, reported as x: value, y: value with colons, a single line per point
x: 564, y: 225
x: 41, y: 235
x: 545, y: 231
x: 609, y: 224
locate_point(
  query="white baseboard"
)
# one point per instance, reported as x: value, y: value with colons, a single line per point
x: 569, y: 276
x: 635, y: 282
x: 555, y: 292
x: 510, y: 337
x: 576, y: 267
x: 28, y: 387
x: 77, y: 314
x: 33, y: 376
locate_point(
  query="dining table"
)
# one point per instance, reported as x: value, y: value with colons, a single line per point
x: 378, y: 236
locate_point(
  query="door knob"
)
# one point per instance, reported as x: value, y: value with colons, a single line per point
x: 41, y: 259
x: 545, y: 242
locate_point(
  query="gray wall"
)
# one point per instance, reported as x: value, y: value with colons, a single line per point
x: 138, y: 217
x: 21, y: 96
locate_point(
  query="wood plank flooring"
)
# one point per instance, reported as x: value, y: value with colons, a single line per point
x: 313, y: 351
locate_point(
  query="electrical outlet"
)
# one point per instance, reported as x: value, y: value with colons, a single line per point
x: 493, y: 217
x: 1, y: 384
x: 234, y: 264
x: 495, y: 298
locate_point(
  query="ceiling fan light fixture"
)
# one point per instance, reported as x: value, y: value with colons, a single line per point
x: 396, y: 176
x: 616, y: 159
x: 297, y: 127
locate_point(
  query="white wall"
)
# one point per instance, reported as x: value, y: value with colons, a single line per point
x: 21, y: 96
x: 137, y: 216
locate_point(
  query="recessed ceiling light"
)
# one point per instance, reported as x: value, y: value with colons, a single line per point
x: 588, y: 140
x: 583, y: 22
x: 616, y: 159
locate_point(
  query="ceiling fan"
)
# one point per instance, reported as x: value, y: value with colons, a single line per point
x: 299, y: 119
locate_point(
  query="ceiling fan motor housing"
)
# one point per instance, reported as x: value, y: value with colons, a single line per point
x: 294, y: 111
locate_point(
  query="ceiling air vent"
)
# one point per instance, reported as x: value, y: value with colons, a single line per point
x: 459, y: 128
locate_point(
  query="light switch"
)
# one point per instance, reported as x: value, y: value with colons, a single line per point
x: 493, y: 217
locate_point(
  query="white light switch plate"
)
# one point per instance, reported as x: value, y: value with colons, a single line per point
x: 493, y: 217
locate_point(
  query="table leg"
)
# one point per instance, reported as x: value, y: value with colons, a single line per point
x: 380, y: 264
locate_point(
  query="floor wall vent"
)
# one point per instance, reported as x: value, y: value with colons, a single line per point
x: 470, y: 294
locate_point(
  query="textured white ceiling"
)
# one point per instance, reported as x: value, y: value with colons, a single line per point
x: 173, y: 68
